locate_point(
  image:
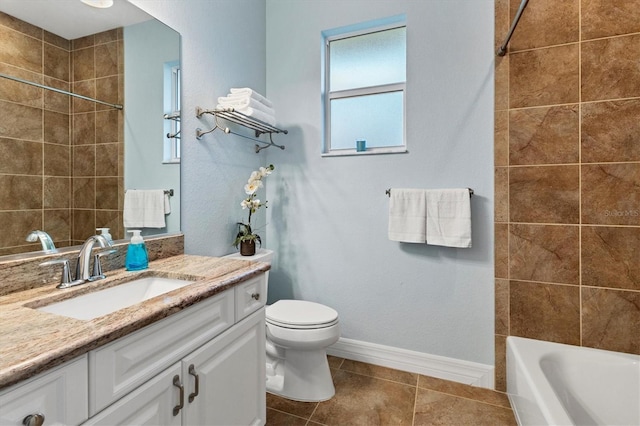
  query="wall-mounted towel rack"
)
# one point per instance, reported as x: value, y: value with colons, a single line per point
x: 175, y: 116
x: 388, y: 192
x: 229, y: 114
x: 168, y: 192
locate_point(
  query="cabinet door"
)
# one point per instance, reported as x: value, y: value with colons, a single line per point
x: 121, y: 366
x: 230, y: 371
x: 151, y: 404
x: 61, y: 395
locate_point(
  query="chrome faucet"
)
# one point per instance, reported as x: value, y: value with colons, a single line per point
x: 83, y: 271
x: 45, y: 240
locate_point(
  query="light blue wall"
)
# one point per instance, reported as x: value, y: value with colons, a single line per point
x: 328, y: 216
x: 222, y: 46
x: 147, y: 47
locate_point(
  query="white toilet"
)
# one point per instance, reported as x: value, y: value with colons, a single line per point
x: 298, y: 333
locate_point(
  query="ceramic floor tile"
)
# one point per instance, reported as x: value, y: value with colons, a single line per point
x: 464, y: 391
x: 379, y: 372
x: 296, y: 408
x: 371, y: 395
x: 435, y: 408
x: 278, y: 418
x: 334, y: 362
x: 364, y: 400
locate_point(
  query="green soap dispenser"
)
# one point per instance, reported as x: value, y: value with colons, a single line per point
x: 137, y: 258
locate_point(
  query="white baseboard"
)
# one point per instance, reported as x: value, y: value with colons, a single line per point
x: 456, y: 370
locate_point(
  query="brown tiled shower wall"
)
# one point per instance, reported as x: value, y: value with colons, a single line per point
x: 61, y: 165
x: 567, y: 175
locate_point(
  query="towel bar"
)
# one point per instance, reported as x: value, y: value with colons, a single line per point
x: 388, y: 192
x: 169, y: 192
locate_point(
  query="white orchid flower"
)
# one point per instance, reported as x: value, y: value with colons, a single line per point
x: 265, y: 171
x: 245, y: 204
x: 255, y: 175
x: 251, y: 187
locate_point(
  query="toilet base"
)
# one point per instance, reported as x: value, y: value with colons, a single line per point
x: 300, y: 376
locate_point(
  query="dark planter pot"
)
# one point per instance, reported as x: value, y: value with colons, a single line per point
x: 248, y: 248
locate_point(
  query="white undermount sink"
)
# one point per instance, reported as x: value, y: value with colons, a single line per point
x: 103, y: 302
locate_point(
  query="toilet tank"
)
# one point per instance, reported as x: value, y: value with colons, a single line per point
x: 262, y: 255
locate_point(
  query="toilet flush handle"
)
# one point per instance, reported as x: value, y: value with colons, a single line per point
x: 255, y: 296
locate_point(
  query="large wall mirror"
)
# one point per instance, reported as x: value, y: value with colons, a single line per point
x: 66, y: 162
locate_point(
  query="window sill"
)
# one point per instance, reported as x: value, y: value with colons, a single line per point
x: 369, y: 151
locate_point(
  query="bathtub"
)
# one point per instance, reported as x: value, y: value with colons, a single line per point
x: 556, y: 384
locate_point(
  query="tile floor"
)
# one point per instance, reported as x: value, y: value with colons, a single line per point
x: 370, y: 395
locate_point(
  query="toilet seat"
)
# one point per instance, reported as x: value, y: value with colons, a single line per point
x: 300, y: 314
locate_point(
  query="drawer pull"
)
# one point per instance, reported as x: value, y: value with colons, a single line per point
x: 176, y: 383
x: 255, y: 296
x: 33, y: 420
x: 192, y: 371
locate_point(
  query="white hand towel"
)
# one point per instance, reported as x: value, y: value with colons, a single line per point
x: 407, y: 215
x: 449, y: 217
x: 250, y: 92
x: 144, y: 208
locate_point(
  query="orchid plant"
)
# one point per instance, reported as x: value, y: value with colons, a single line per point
x: 251, y: 203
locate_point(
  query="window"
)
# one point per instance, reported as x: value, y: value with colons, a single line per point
x: 364, y: 96
x: 172, y: 112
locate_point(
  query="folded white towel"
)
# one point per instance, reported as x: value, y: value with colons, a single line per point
x: 449, y: 217
x: 255, y: 113
x: 407, y: 215
x: 144, y: 208
x: 239, y: 102
x: 252, y: 93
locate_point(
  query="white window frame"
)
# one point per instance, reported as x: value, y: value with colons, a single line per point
x: 362, y: 91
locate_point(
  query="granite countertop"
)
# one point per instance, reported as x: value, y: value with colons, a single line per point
x: 33, y: 341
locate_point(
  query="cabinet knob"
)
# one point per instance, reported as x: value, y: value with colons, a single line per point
x: 255, y: 296
x: 176, y: 383
x: 33, y: 420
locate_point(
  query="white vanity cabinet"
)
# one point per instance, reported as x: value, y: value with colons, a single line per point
x: 202, y: 366
x: 59, y: 395
x: 220, y: 383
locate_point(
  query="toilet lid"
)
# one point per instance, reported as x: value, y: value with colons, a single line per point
x: 300, y: 314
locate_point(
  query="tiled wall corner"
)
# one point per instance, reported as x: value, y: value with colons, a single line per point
x: 567, y: 189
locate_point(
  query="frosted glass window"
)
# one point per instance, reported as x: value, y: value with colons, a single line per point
x: 365, y: 79
x: 378, y: 119
x: 368, y: 60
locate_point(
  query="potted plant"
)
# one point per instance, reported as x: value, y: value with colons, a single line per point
x: 246, y: 239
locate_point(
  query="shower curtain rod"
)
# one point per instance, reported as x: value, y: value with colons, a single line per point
x: 503, y: 49
x: 64, y: 92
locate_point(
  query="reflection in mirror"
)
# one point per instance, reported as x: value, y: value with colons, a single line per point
x: 67, y: 162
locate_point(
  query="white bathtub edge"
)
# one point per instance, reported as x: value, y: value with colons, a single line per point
x: 461, y: 371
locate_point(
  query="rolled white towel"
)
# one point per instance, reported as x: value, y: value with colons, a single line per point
x: 252, y: 93
x: 239, y: 102
x: 260, y: 115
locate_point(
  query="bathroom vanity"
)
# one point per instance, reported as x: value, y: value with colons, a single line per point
x: 194, y: 355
